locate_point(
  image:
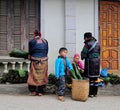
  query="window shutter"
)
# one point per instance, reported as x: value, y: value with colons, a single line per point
x: 3, y: 25
x: 18, y: 20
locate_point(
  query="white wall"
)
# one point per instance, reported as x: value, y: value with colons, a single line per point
x: 53, y: 24
x: 84, y: 21
x: 54, y: 28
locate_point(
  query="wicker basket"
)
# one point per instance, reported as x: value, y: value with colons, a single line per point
x: 80, y: 89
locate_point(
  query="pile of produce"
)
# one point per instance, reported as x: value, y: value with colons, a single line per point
x: 76, y: 73
x: 52, y: 79
x: 112, y: 78
x: 18, y: 53
x: 109, y: 78
x: 14, y: 76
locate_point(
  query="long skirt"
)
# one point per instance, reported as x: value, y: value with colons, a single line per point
x: 38, y: 74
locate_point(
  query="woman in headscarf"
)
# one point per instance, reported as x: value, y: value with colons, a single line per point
x: 38, y: 76
x: 91, y: 54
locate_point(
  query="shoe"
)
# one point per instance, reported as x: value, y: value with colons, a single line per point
x: 40, y: 94
x: 91, y: 96
x: 32, y: 94
x: 61, y: 98
x: 95, y: 95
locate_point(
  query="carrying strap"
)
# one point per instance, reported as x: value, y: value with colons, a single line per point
x: 45, y: 41
x: 92, y: 46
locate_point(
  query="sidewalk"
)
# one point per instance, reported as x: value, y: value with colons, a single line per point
x: 22, y: 89
x: 49, y: 102
x: 15, y: 97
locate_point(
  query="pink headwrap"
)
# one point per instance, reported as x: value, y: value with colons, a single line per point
x: 76, y: 55
x: 79, y: 63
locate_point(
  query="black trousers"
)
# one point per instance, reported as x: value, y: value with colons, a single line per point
x: 38, y: 89
x: 93, y: 89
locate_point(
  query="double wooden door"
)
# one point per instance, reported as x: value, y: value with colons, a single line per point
x: 18, y: 20
x: 110, y: 35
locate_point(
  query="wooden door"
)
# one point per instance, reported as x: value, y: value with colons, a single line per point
x: 110, y: 35
x: 18, y: 20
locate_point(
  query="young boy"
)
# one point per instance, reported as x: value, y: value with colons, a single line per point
x: 61, y: 65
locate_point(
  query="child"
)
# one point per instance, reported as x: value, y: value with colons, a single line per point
x: 61, y: 65
x: 76, y: 60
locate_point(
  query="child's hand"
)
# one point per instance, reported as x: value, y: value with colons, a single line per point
x: 82, y: 70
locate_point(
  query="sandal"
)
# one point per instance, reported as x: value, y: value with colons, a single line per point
x: 32, y: 94
x: 40, y: 94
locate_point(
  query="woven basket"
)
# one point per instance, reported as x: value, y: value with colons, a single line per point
x: 80, y: 89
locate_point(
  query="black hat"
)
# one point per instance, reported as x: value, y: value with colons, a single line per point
x: 87, y: 35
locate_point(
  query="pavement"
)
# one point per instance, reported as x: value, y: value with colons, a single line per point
x: 15, y: 97
x: 50, y: 102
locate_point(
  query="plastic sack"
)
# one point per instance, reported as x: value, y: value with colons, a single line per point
x: 104, y: 72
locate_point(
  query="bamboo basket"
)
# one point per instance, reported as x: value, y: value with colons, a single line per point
x: 80, y: 89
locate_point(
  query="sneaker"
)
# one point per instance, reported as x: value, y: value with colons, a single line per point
x: 61, y: 98
x: 91, y: 96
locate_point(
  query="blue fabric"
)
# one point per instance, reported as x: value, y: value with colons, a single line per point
x: 100, y: 84
x: 61, y: 88
x: 38, y: 50
x: 104, y: 73
x: 59, y: 66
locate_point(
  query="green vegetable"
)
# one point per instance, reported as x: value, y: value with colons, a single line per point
x: 18, y: 53
x: 73, y: 75
x: 22, y: 73
x: 112, y: 78
x: 14, y: 77
x: 52, y: 79
x: 77, y: 72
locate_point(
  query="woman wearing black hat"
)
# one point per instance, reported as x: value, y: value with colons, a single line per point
x: 91, y: 54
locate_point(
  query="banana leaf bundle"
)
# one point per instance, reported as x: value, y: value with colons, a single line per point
x: 76, y: 73
x: 112, y: 78
x: 14, y: 77
x: 18, y: 53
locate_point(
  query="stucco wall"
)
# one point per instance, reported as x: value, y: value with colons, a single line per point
x: 54, y: 23
x: 84, y: 21
x: 54, y: 28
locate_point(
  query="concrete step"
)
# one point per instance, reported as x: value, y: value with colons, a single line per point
x: 22, y: 89
x: 109, y: 89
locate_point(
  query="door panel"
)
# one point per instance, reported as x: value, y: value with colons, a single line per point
x: 110, y: 35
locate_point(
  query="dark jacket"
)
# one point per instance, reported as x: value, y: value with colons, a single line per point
x: 92, y: 58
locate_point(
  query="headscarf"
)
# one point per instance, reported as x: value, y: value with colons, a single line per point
x: 76, y: 55
x: 37, y: 33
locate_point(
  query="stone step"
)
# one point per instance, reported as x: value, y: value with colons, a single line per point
x: 17, y: 89
x: 22, y: 89
x: 109, y: 90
